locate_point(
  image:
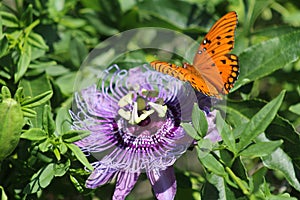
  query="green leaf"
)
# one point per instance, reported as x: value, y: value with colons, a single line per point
x: 60, y: 169
x: 205, y: 147
x: 261, y: 149
x: 36, y: 53
x: 57, y: 153
x: 93, y: 4
x: 34, y: 134
x: 66, y: 83
x: 212, y: 164
x: 37, y: 41
x: 98, y: 24
x: 239, y: 112
x: 78, y: 51
x: 254, y: 10
x: 274, y: 31
x: 1, y: 28
x: 48, y: 122
x: 5, y: 93
x: 189, y: 129
x: 52, y: 69
x: 26, y: 15
x: 71, y: 22
x: 37, y: 100
x: 127, y: 5
x: 291, y: 137
x: 284, y: 196
x: 45, y: 146
x: 279, y: 160
x: 257, y: 62
x: 226, y: 133
x: 44, y: 158
x: 3, y: 46
x: 79, y: 155
x: 40, y: 179
x: 19, y: 95
x: 63, y: 121
x: 199, y: 120
x: 47, y: 175
x: 220, y: 184
x: 75, y: 135
x: 23, y: 62
x: 3, y: 195
x: 9, y: 19
x: 259, y: 121
x: 33, y: 186
x: 295, y: 108
x: 112, y: 7
x: 27, y: 112
x: 36, y: 86
x: 172, y: 14
x: 62, y: 148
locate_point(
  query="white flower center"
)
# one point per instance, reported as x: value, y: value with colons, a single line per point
x: 136, y: 107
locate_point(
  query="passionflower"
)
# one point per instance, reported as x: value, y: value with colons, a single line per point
x: 134, y: 119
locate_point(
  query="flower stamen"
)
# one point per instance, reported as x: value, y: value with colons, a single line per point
x: 136, y: 108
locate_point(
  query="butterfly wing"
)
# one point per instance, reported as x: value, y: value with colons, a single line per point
x: 213, y: 61
x: 171, y: 69
x: 214, y: 70
x: 186, y: 73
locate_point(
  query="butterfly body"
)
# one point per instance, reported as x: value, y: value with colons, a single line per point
x: 214, y: 69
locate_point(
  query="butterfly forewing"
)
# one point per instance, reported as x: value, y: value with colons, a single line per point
x: 229, y: 70
x: 219, y: 40
x: 211, y: 59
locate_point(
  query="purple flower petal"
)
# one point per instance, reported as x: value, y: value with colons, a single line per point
x: 212, y: 132
x: 125, y: 183
x: 163, y: 183
x: 100, y: 176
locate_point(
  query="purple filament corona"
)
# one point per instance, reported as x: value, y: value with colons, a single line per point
x: 125, y: 136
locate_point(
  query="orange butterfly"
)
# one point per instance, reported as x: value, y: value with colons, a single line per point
x: 214, y: 70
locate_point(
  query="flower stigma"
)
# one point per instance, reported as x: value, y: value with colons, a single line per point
x: 142, y: 107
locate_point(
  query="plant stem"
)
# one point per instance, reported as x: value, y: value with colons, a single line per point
x: 238, y: 181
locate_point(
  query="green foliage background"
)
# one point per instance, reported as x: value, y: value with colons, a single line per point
x: 44, y: 42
